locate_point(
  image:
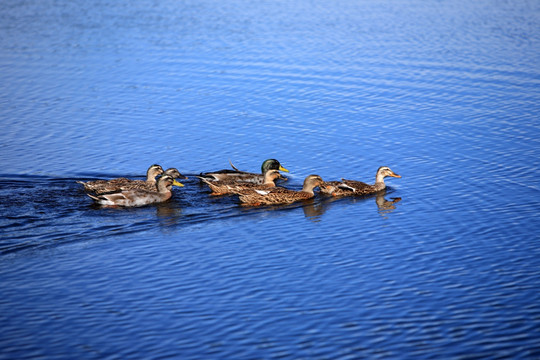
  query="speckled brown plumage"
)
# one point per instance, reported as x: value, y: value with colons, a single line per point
x: 138, y: 197
x: 232, y: 186
x: 279, y: 195
x: 358, y: 188
x: 106, y: 186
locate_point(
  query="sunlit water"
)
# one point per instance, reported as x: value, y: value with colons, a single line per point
x: 444, y: 265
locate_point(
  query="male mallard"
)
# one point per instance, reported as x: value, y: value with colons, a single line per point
x: 279, y: 195
x: 231, y: 186
x: 105, y: 186
x: 243, y: 176
x: 139, y: 197
x: 353, y: 187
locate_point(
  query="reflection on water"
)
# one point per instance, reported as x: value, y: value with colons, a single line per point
x: 315, y: 209
x: 386, y: 206
x: 168, y: 215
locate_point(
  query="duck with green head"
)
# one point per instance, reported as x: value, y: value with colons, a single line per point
x: 227, y: 187
x: 244, y: 176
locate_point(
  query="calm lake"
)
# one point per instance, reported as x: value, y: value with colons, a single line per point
x: 444, y: 265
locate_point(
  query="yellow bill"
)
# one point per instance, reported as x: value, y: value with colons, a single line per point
x: 176, y: 183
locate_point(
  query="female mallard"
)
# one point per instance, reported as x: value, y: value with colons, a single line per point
x: 149, y: 186
x: 105, y: 186
x: 280, y: 195
x: 139, y: 197
x: 243, y: 176
x: 353, y: 187
x: 232, y: 186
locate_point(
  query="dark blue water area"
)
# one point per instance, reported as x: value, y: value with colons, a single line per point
x: 445, y: 264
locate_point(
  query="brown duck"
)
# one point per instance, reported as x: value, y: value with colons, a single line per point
x: 358, y: 188
x: 105, y: 186
x: 114, y: 185
x: 139, y: 197
x: 279, y: 195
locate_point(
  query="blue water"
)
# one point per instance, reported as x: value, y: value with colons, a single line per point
x: 444, y: 265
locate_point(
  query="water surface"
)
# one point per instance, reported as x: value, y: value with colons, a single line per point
x: 444, y: 264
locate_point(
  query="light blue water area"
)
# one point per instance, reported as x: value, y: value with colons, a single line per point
x: 444, y: 264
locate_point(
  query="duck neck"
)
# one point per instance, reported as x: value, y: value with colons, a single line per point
x: 379, y: 182
x: 151, y: 177
x: 308, y: 188
x: 163, y: 188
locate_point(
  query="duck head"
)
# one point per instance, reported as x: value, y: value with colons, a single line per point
x: 165, y: 182
x: 272, y: 164
x: 153, y: 171
x: 311, y: 182
x: 383, y: 172
x: 173, y: 172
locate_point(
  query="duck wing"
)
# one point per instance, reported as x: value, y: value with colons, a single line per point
x: 273, y: 196
x: 359, y: 186
x: 233, y: 175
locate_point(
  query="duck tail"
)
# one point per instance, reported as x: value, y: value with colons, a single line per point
x: 232, y: 165
x: 95, y: 198
x: 204, y: 179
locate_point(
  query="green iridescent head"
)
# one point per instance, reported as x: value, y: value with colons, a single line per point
x: 272, y: 164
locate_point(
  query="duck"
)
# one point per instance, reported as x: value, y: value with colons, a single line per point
x: 243, y: 176
x: 105, y: 186
x: 232, y: 186
x: 358, y: 188
x: 280, y: 195
x: 149, y: 186
x: 137, y: 197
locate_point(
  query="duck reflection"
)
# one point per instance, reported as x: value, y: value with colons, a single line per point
x: 314, y: 209
x: 168, y: 214
x: 386, y: 206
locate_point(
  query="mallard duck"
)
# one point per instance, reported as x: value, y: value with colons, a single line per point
x: 231, y: 186
x: 149, y: 186
x: 139, y: 197
x: 279, y: 195
x: 243, y: 176
x: 356, y: 188
x: 106, y: 186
